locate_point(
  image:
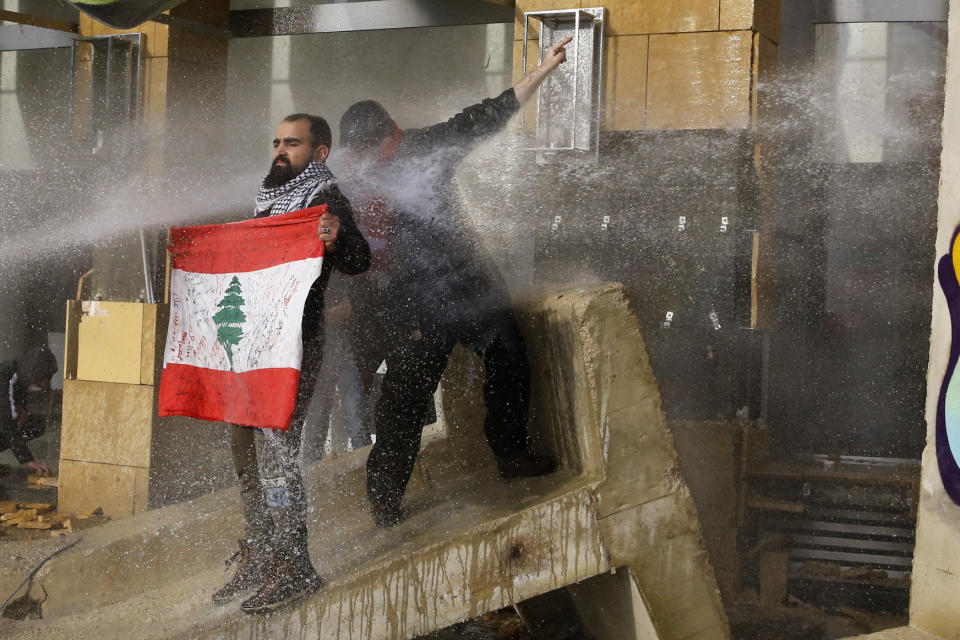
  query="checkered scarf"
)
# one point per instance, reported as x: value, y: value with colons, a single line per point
x: 297, y: 193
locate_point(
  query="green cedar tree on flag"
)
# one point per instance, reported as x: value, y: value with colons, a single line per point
x: 230, y: 319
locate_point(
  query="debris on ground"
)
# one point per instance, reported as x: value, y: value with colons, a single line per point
x: 40, y: 516
x: 37, y: 480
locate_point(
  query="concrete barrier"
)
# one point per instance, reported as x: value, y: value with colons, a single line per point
x: 471, y: 543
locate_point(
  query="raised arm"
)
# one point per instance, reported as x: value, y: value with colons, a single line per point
x: 458, y: 135
x: 553, y: 58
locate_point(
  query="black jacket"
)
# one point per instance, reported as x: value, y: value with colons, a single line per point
x: 13, y: 397
x: 351, y: 256
x: 440, y: 273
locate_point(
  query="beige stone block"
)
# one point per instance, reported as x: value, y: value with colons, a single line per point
x: 107, y: 422
x: 524, y: 6
x: 83, y: 52
x: 119, y: 490
x: 161, y: 38
x: 660, y: 542
x: 155, y: 106
x: 699, y: 80
x: 736, y: 14
x: 764, y: 71
x: 768, y: 18
x: 625, y: 84
x: 85, y: 25
x: 109, y: 342
x: 636, y: 17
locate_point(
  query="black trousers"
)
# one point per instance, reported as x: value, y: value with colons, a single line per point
x: 415, y: 363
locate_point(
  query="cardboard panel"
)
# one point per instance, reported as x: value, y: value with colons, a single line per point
x: 107, y: 422
x: 699, y: 80
x: 625, y: 72
x: 109, y: 342
x: 118, y: 490
x: 638, y: 17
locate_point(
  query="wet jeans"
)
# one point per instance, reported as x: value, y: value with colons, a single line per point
x: 268, y: 466
x: 415, y: 363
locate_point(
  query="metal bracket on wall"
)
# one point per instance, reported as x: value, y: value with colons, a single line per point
x: 116, y: 87
x: 569, y: 101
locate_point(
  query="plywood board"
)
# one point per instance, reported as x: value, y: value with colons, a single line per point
x: 84, y: 486
x: 107, y: 422
x: 109, y: 340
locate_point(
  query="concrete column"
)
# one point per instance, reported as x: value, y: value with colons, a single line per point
x: 936, y: 560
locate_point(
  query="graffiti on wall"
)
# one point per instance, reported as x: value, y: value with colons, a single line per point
x: 948, y: 407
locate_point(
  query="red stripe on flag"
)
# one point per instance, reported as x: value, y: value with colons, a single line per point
x: 257, y: 398
x: 247, y: 245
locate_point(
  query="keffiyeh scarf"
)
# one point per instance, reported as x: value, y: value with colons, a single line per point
x: 297, y: 193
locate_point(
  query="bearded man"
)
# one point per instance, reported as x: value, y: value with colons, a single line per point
x: 273, y: 556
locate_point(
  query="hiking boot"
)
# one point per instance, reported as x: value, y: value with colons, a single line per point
x: 526, y: 465
x: 287, y: 579
x: 250, y: 562
x: 386, y: 516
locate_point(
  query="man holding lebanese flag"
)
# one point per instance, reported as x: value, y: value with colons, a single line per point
x: 241, y: 295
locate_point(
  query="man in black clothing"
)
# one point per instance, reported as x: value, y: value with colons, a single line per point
x: 273, y: 557
x: 17, y: 426
x: 434, y: 286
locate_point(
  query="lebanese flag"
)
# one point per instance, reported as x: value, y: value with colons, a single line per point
x: 237, y: 293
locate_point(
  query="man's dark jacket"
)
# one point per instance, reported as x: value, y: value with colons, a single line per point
x: 440, y: 273
x: 351, y: 256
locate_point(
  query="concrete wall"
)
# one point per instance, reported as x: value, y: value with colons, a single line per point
x: 269, y: 78
x: 936, y: 565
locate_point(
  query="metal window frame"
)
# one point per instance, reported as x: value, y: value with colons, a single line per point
x: 597, y: 16
x: 136, y: 70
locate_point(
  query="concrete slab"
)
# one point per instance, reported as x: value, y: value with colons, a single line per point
x: 467, y: 549
x: 471, y: 542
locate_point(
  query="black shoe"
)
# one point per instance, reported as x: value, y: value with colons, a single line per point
x: 287, y: 580
x: 384, y: 516
x: 250, y: 562
x: 526, y: 465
